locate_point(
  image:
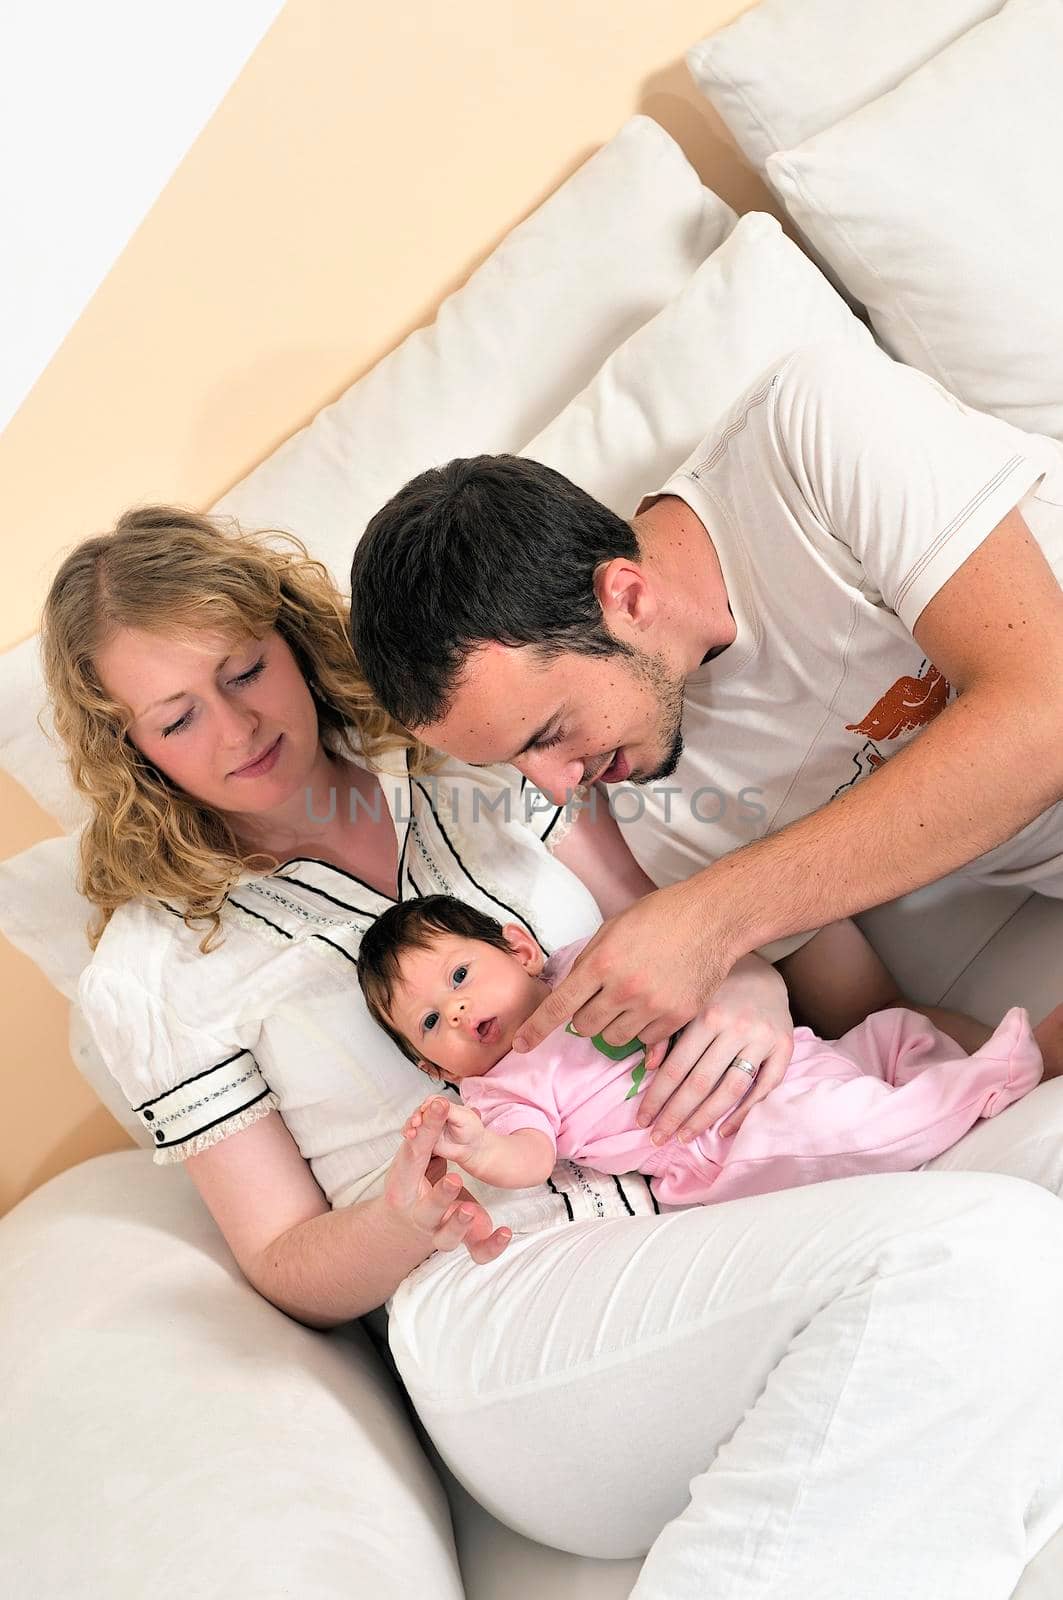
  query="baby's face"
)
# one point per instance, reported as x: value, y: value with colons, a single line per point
x: 459, y: 1002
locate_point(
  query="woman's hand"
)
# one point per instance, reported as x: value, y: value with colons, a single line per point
x: 461, y: 1134
x: 695, y: 1084
x: 434, y: 1202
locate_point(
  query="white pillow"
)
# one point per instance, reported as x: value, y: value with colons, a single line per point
x: 29, y: 750
x: 756, y: 299
x: 507, y: 351
x: 527, y: 331
x: 940, y: 206
x: 789, y: 68
x: 42, y: 913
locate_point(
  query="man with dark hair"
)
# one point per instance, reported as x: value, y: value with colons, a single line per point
x: 838, y: 629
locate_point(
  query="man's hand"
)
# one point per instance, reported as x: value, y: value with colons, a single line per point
x: 748, y: 1019
x: 644, y: 975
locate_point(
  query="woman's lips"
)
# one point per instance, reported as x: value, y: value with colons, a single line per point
x: 265, y: 763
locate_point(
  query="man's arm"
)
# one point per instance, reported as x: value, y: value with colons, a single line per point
x: 986, y: 766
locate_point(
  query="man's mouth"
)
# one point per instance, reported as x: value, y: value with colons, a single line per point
x: 488, y: 1030
x: 618, y: 769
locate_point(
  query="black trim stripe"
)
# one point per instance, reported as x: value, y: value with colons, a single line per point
x: 168, y: 1144
x: 620, y: 1191
x: 653, y: 1197
x: 193, y: 1079
x: 485, y: 892
x: 344, y: 905
x: 552, y: 825
x: 258, y: 915
x: 552, y: 1186
x: 409, y: 824
x: 320, y: 937
x: 346, y: 953
x: 315, y: 861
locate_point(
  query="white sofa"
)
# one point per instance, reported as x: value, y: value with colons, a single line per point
x: 169, y: 1432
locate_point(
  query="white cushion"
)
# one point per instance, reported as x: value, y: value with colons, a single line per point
x: 42, y: 913
x: 786, y: 69
x: 756, y: 299
x: 940, y: 207
x: 527, y: 331
x: 198, y: 1442
x: 29, y: 750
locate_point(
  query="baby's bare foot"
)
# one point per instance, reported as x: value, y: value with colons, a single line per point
x: 1049, y: 1036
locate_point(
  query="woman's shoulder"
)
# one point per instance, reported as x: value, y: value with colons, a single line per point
x: 145, y: 937
x: 148, y: 944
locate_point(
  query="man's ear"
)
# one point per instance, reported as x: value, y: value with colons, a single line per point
x: 524, y: 947
x: 625, y: 595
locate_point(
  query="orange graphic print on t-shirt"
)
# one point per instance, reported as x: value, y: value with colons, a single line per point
x: 908, y: 704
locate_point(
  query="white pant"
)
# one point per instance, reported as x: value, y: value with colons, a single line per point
x: 852, y: 1391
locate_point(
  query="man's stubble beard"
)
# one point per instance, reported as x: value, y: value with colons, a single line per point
x: 669, y: 694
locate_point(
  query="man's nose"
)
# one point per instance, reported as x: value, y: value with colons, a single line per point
x: 557, y: 779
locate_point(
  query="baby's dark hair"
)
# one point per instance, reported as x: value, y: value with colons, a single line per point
x: 414, y: 925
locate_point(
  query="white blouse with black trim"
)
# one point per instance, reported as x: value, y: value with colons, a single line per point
x: 204, y: 1045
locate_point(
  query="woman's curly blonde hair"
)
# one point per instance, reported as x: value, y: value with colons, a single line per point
x: 176, y: 573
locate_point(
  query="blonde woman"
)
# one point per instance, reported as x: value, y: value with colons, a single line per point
x: 744, y: 1391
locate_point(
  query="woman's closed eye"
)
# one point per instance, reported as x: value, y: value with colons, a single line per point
x: 237, y: 683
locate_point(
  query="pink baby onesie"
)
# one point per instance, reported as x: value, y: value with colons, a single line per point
x: 888, y: 1096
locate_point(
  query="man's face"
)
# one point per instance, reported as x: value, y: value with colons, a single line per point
x: 565, y: 721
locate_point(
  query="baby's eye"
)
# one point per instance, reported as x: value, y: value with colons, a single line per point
x: 460, y: 974
x: 430, y: 1021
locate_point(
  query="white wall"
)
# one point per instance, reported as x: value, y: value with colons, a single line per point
x: 99, y: 101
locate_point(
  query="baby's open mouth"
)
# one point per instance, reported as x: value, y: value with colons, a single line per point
x: 487, y: 1030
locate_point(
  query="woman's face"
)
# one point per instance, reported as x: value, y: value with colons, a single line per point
x: 234, y: 726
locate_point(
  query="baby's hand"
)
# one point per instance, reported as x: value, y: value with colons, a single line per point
x: 461, y: 1136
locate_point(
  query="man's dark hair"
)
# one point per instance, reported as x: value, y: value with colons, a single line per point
x: 414, y: 925
x: 485, y: 549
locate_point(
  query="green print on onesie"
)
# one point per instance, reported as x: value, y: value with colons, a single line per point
x: 617, y: 1052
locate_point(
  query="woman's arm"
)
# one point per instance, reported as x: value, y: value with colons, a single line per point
x: 324, y: 1267
x: 594, y: 849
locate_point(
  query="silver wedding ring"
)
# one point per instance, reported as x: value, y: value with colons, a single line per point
x: 745, y: 1066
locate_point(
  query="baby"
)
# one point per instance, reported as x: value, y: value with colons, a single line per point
x: 451, y: 987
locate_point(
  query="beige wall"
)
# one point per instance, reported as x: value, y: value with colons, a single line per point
x: 365, y: 160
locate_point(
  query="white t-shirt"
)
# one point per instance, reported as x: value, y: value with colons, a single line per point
x: 841, y: 493
x: 204, y: 1045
